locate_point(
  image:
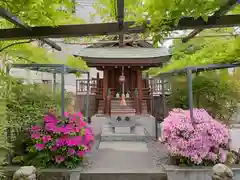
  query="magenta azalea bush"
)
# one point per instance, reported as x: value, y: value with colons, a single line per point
x: 61, y: 143
x: 201, y: 141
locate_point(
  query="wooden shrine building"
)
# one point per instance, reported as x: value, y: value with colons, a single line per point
x: 122, y: 74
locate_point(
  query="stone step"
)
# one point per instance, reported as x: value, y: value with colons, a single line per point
x: 123, y: 110
x: 127, y: 175
x: 109, y: 174
x: 123, y: 113
x: 118, y: 102
x: 100, y: 109
x: 131, y: 105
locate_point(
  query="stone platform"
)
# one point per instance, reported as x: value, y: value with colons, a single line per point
x: 122, y: 130
x: 122, y: 133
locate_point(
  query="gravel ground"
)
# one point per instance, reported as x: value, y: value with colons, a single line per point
x: 157, y: 150
x: 88, y: 162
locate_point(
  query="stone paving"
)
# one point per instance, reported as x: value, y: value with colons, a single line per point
x: 115, y: 156
x: 126, y: 156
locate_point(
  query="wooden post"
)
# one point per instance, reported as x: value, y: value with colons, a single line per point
x: 137, y: 101
x: 139, y: 85
x: 113, y: 82
x: 105, y: 87
x: 98, y: 82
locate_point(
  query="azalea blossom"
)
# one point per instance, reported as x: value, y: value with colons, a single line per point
x: 39, y: 146
x: 35, y: 128
x: 59, y: 159
x: 80, y: 153
x: 63, y: 137
x: 71, y: 151
x: 198, y: 139
x: 36, y: 136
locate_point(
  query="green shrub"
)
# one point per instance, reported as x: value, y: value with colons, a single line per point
x: 24, y: 105
x: 217, y: 93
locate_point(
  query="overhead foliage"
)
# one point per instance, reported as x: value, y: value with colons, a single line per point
x: 235, y: 10
x: 107, y: 10
x: 162, y: 14
x: 214, y: 52
x: 203, y: 51
x: 30, y: 53
x: 37, y: 13
x: 42, y: 12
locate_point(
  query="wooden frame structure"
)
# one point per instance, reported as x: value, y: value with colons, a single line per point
x: 223, y: 10
x: 120, y: 27
x: 13, y: 19
x: 111, y: 28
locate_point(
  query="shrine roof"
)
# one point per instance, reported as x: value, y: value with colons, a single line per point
x: 123, y: 53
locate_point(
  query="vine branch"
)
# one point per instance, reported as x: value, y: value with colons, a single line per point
x: 13, y: 44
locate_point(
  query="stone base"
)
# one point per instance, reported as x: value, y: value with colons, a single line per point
x: 122, y: 130
x: 190, y: 173
x: 48, y: 174
x: 110, y: 133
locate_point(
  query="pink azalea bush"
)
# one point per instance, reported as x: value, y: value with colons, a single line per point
x: 61, y: 143
x: 201, y: 141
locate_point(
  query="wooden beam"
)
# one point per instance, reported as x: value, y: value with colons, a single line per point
x: 120, y: 19
x: 13, y: 19
x: 111, y: 28
x: 222, y: 11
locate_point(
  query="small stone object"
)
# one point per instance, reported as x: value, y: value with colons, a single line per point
x: 25, y: 173
x: 127, y: 95
x: 127, y: 118
x: 117, y: 95
x: 119, y: 118
x: 221, y: 172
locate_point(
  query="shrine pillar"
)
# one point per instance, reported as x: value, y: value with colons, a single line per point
x: 105, y: 89
x: 140, y: 86
x: 98, y: 81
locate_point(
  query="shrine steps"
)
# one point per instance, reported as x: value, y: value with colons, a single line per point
x: 118, y: 110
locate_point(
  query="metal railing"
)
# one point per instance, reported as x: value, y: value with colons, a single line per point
x: 154, y: 84
x: 81, y: 85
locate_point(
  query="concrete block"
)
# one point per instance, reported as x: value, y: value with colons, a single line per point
x: 139, y: 130
x: 107, y: 128
x: 122, y: 130
x: 123, y: 137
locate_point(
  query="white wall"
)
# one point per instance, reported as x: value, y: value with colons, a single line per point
x: 37, y: 77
